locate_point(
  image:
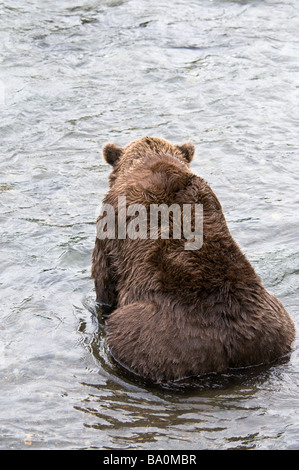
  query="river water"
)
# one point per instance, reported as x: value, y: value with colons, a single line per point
x: 75, y: 74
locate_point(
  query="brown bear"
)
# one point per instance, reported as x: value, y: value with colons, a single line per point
x: 180, y: 312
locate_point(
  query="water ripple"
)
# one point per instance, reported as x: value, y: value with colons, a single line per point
x: 219, y: 73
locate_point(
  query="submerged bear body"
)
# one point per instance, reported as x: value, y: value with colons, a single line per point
x: 180, y: 313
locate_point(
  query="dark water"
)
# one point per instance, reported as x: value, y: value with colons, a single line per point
x: 73, y: 75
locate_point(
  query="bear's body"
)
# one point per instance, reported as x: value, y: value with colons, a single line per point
x: 181, y: 313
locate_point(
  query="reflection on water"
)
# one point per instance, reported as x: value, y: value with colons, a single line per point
x: 214, y: 411
x: 73, y: 76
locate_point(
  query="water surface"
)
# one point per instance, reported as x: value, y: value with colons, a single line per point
x: 74, y: 75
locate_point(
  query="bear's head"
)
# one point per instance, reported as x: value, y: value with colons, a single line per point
x: 123, y: 158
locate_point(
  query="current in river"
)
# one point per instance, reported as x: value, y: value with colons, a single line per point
x: 75, y: 74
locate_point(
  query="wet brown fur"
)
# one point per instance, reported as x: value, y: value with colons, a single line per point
x: 179, y: 312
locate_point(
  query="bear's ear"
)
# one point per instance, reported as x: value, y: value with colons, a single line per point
x: 187, y: 150
x: 111, y: 153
